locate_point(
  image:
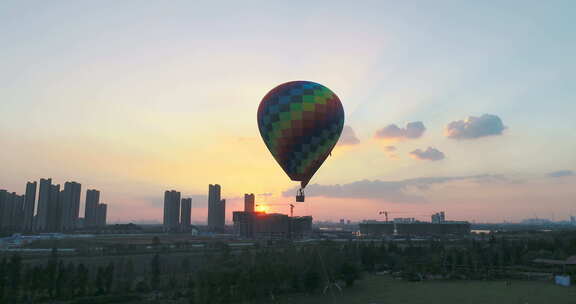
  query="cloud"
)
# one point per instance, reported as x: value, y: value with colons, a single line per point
x: 413, y: 130
x: 390, y: 152
x: 432, y: 154
x: 475, y: 127
x: 348, y: 137
x: 561, y: 173
x: 402, y: 191
x: 265, y: 194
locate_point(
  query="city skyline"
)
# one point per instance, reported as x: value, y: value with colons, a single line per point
x: 57, y: 208
x: 466, y: 107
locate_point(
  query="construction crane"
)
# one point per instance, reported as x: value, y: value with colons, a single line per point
x: 385, y: 213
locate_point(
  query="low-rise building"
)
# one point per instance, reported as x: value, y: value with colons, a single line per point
x: 273, y: 225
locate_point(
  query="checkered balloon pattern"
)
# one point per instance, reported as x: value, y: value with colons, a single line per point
x: 300, y: 122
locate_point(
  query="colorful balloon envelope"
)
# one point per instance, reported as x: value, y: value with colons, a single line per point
x: 300, y: 122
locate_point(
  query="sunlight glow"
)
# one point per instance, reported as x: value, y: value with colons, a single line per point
x: 262, y: 208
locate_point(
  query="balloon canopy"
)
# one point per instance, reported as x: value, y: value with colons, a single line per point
x: 300, y: 122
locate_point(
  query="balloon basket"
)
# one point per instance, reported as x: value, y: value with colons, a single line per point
x: 300, y: 196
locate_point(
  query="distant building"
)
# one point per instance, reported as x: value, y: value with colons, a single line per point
x: 42, y: 214
x: 376, y: 228
x: 249, y: 202
x: 29, y: 206
x: 17, y: 213
x: 54, y: 209
x: 70, y: 206
x: 411, y: 227
x: 438, y: 217
x: 431, y: 229
x: 3, y: 199
x: 101, y: 214
x: 300, y: 226
x: 262, y: 225
x: 186, y: 214
x: 221, y: 218
x: 171, y: 211
x: 11, y: 211
x: 57, y: 210
x: 536, y: 221
x: 90, y: 210
x: 404, y: 220
x: 573, y: 220
x: 216, y: 209
x: 11, y: 207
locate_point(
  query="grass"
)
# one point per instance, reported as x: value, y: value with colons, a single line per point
x: 384, y: 290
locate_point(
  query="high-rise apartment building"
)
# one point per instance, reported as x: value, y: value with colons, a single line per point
x: 3, y: 198
x: 17, y: 213
x: 58, y: 209
x: 54, y: 209
x: 43, y: 204
x: 11, y: 211
x: 101, y: 212
x: 29, y: 206
x: 216, y: 209
x: 171, y: 210
x: 70, y: 206
x: 49, y: 207
x: 221, y: 223
x: 186, y: 214
x: 249, y: 200
x: 8, y: 211
x: 90, y: 209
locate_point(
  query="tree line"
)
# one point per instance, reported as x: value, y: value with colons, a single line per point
x: 262, y: 275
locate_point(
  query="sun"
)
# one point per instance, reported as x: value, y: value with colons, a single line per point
x: 262, y: 208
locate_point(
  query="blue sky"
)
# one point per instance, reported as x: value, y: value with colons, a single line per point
x: 140, y: 96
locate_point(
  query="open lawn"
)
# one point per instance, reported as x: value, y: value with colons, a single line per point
x: 384, y: 290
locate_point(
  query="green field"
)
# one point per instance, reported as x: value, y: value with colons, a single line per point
x: 384, y: 290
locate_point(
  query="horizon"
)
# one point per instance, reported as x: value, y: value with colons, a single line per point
x: 464, y: 108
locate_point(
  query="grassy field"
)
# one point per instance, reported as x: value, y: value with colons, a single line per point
x: 384, y: 290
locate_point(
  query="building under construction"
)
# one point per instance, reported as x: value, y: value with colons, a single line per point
x: 273, y: 225
x: 411, y: 227
x: 253, y: 224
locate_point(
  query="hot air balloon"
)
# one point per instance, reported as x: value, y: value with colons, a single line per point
x: 300, y: 123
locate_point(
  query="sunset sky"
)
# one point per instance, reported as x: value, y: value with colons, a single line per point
x: 463, y: 106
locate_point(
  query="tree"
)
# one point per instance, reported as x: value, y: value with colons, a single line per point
x: 3, y: 272
x: 81, y: 279
x: 312, y: 280
x: 155, y: 242
x: 349, y: 272
x: 35, y: 280
x: 368, y: 256
x: 155, y: 272
x: 100, y: 280
x: 108, y: 277
x: 129, y: 276
x: 61, y: 279
x: 186, y: 267
x: 191, y: 285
